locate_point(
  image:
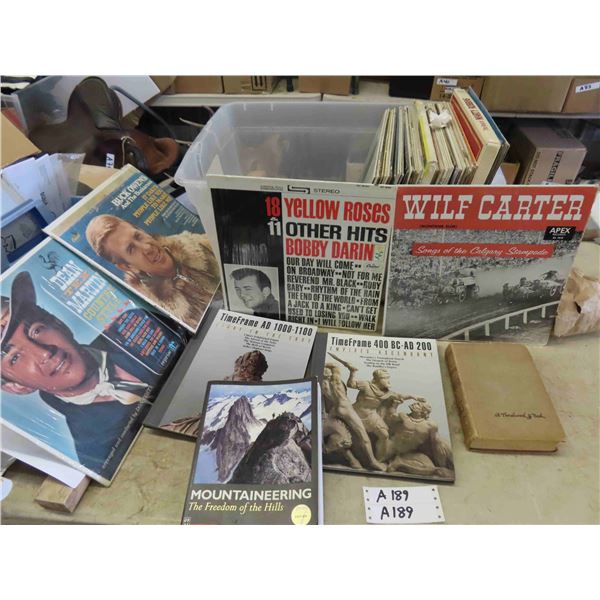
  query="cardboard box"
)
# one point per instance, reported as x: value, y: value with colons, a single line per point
x: 93, y: 176
x: 15, y: 144
x: 584, y: 95
x: 510, y: 171
x: 443, y: 85
x: 327, y: 84
x: 164, y: 83
x: 198, y: 84
x: 525, y: 94
x: 546, y: 154
x: 248, y: 84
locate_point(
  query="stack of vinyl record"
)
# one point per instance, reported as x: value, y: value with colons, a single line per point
x: 454, y: 142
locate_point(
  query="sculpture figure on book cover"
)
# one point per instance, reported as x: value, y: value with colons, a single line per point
x: 372, y: 434
x: 339, y: 411
x: 414, y: 444
x: 250, y: 366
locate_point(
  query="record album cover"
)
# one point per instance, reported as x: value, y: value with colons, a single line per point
x: 134, y: 232
x: 482, y: 262
x: 82, y: 360
x: 303, y: 251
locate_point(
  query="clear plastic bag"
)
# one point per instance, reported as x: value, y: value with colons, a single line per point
x: 71, y: 164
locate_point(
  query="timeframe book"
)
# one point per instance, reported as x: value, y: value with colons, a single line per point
x: 384, y: 412
x: 236, y: 347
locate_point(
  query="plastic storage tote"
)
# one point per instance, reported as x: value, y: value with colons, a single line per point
x: 321, y: 141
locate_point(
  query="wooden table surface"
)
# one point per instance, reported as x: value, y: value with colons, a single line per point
x: 490, y: 487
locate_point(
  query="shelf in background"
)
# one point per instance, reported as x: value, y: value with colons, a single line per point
x: 279, y: 94
x: 375, y: 92
x: 513, y: 115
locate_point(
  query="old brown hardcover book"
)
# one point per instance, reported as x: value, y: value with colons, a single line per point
x: 501, y: 399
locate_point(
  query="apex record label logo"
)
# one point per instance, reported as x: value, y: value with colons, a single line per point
x: 556, y: 234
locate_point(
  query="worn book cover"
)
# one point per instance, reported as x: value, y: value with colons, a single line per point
x: 482, y: 262
x: 303, y: 251
x: 258, y: 455
x: 383, y: 408
x: 82, y: 360
x: 501, y: 398
x: 236, y: 347
x: 134, y: 232
x: 504, y: 145
x: 479, y: 133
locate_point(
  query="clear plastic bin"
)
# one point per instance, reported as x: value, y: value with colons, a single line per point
x: 297, y: 140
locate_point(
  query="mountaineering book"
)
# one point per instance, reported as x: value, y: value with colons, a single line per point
x: 234, y: 347
x: 303, y: 251
x: 482, y: 262
x: 258, y: 455
x: 383, y: 408
x: 134, y: 232
x: 501, y: 398
x: 82, y: 360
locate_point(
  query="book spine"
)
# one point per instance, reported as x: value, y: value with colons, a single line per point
x: 466, y: 419
x: 469, y: 134
x: 488, y: 117
x: 485, y: 165
x: 476, y: 117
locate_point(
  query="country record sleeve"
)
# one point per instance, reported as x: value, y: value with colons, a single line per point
x: 134, y: 232
x: 482, y: 262
x: 82, y: 360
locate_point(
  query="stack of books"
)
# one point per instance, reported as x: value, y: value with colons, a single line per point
x: 439, y: 143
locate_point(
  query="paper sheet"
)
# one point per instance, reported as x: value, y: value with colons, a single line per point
x: 6, y: 486
x: 54, y: 184
x: 5, y: 462
x: 26, y: 451
x: 403, y: 505
x: 26, y: 180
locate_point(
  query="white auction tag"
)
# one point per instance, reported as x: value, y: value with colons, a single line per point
x: 446, y: 81
x: 586, y: 87
x: 403, y: 505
